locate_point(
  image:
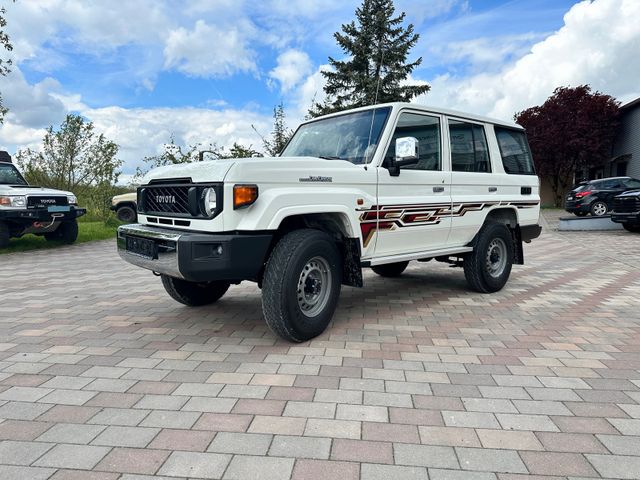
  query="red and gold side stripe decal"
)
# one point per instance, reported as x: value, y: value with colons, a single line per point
x: 392, y: 217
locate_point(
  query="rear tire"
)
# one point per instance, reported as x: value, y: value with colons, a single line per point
x: 126, y: 214
x: 630, y: 227
x: 194, y: 294
x: 67, y: 232
x: 488, y: 266
x: 5, y: 235
x: 390, y: 270
x: 301, y: 285
x: 599, y: 208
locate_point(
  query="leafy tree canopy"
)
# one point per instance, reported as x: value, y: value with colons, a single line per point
x: 72, y: 158
x: 572, y: 131
x: 5, y: 65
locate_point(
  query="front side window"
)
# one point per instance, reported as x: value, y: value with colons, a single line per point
x: 353, y: 137
x: 9, y: 175
x: 514, y: 149
x: 469, y: 150
x: 425, y: 129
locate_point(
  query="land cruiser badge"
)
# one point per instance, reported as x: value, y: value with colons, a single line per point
x: 316, y: 178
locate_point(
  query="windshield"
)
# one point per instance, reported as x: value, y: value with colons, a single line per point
x: 353, y: 137
x: 9, y: 175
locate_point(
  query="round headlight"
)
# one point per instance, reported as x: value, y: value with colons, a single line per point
x: 210, y: 201
x: 72, y: 200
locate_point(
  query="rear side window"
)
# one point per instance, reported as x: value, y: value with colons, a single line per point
x: 469, y: 151
x: 514, y: 149
x: 632, y: 183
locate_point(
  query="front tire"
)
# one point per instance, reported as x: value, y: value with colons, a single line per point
x: 126, y: 214
x: 67, y: 232
x: 599, y: 208
x: 301, y: 285
x: 194, y: 294
x: 630, y: 227
x: 488, y: 266
x: 390, y: 270
x: 5, y: 235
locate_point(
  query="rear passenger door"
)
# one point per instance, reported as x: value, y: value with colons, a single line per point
x: 473, y: 186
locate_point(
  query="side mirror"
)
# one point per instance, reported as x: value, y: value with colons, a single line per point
x: 406, y: 151
x: 406, y: 154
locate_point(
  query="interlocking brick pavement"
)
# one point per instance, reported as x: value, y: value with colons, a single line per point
x: 103, y: 376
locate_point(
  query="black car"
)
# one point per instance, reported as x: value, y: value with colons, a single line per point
x: 596, y: 196
x: 626, y: 210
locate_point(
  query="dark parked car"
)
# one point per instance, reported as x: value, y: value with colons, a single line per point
x: 626, y: 210
x: 596, y: 196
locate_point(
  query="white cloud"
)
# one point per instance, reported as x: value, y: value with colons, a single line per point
x: 142, y: 132
x: 293, y: 65
x: 483, y: 53
x: 598, y: 44
x: 31, y: 106
x: 210, y: 51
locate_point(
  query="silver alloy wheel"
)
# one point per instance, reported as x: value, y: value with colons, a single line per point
x: 314, y: 286
x: 599, y: 209
x: 496, y: 260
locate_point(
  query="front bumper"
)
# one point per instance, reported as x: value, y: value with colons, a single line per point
x: 41, y: 214
x: 632, y: 218
x: 198, y: 257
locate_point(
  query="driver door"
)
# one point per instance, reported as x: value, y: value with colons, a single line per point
x: 414, y: 207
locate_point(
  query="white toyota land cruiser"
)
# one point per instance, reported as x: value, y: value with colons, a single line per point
x: 41, y: 211
x: 372, y: 187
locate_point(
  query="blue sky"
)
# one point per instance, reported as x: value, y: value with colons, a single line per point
x: 206, y: 70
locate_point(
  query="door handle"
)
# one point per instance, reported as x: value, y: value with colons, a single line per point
x: 493, y: 189
x: 438, y: 189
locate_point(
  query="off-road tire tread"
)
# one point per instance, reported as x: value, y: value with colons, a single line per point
x: 273, y: 284
x: 67, y: 232
x: 126, y: 207
x: 473, y: 264
x: 218, y: 289
x: 5, y: 235
x: 390, y: 270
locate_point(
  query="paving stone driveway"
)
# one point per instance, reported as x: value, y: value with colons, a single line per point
x: 103, y: 376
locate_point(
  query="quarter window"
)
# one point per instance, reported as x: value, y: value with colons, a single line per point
x: 426, y: 130
x: 514, y: 149
x: 469, y: 151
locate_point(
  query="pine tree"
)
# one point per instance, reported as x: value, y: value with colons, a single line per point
x: 280, y: 135
x: 377, y: 48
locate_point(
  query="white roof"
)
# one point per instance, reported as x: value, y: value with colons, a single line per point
x: 430, y: 109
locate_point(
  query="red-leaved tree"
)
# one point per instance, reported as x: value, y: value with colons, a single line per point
x: 572, y: 131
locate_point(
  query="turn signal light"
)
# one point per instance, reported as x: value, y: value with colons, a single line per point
x: 244, y: 195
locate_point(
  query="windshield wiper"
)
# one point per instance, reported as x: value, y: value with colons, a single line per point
x: 326, y: 157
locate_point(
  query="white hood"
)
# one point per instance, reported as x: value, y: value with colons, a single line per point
x: 209, y: 171
x: 254, y: 169
x: 27, y: 190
